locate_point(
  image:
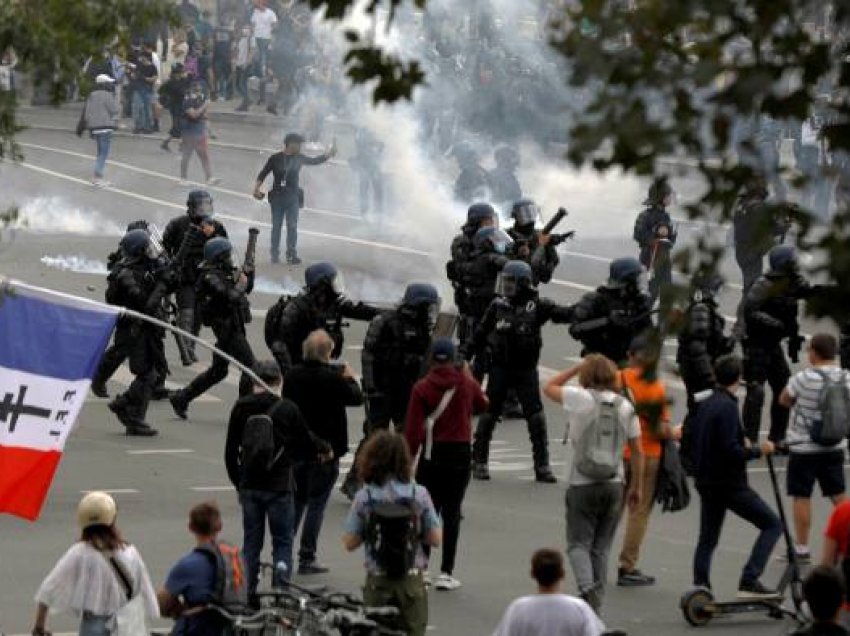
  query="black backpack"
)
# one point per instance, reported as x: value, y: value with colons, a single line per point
x: 393, y: 534
x: 271, y: 328
x: 259, y: 450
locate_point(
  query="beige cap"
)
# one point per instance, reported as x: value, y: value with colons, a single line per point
x: 96, y: 508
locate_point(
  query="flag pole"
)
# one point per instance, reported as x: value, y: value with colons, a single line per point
x: 8, y: 285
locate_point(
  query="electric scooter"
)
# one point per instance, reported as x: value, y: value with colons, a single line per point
x: 699, y: 605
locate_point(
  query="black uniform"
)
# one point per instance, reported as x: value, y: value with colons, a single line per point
x: 646, y: 234
x: 462, y: 250
x: 306, y: 312
x: 543, y: 259
x: 607, y: 320
x: 393, y: 359
x: 140, y: 284
x: 186, y: 264
x: 222, y: 305
x: 471, y: 184
x: 511, y: 330
x: 701, y: 342
x: 754, y: 236
x: 770, y: 315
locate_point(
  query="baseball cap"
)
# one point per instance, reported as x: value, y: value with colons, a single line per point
x: 96, y: 509
x: 443, y: 350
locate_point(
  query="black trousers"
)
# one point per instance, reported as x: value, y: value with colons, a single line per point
x: 234, y: 343
x: 765, y: 363
x: 446, y: 476
x: 147, y: 363
x: 116, y: 354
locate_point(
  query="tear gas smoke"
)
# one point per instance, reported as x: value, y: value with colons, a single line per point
x: 55, y: 215
x: 75, y: 263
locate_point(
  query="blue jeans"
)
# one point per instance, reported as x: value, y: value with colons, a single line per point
x: 285, y: 206
x: 104, y: 143
x: 94, y: 625
x: 142, y: 108
x: 279, y: 509
x: 314, y: 483
x: 744, y: 502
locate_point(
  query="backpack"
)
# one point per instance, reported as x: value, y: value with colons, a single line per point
x: 230, y: 590
x: 599, y: 451
x: 834, y: 405
x: 259, y: 452
x: 271, y: 329
x: 393, y: 534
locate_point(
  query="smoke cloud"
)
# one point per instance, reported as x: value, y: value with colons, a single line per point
x: 75, y: 263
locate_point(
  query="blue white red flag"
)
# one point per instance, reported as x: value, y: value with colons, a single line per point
x: 49, y: 350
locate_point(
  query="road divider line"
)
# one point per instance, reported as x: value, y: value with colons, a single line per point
x: 113, y: 491
x: 161, y: 451
x: 212, y: 488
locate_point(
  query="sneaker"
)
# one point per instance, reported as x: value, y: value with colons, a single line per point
x: 447, y: 583
x: 480, y: 472
x: 634, y: 578
x: 213, y: 181
x: 179, y: 404
x: 591, y: 597
x: 312, y: 567
x: 544, y: 476
x: 755, y: 589
x: 293, y: 260
x: 803, y: 554
x: 99, y: 390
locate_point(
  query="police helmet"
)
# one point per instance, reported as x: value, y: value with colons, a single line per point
x: 479, y: 212
x: 623, y: 271
x: 135, y: 243
x: 515, y: 278
x: 525, y: 212
x: 319, y: 273
x: 199, y: 203
x: 96, y: 509
x: 493, y: 238
x: 658, y: 191
x: 217, y: 248
x: 418, y: 294
x: 783, y: 258
x: 506, y: 156
x: 141, y: 224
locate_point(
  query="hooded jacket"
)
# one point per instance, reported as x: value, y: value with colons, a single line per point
x: 101, y: 110
x: 455, y: 424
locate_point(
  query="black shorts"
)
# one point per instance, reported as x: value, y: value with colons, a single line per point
x: 806, y: 468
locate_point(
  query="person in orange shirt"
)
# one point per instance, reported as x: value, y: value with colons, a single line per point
x: 648, y: 394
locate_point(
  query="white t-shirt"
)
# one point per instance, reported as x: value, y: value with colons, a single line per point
x: 263, y: 20
x: 805, y: 388
x: 580, y: 406
x: 84, y: 579
x: 549, y: 615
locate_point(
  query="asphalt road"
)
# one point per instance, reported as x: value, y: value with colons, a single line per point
x: 156, y: 480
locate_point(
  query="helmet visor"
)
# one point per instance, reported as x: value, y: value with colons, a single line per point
x: 154, y: 249
x: 501, y: 241
x: 507, y: 285
x: 526, y: 214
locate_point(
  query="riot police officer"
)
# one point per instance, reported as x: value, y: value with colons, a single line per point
x: 394, y: 355
x: 530, y: 244
x: 701, y: 342
x: 608, y: 319
x: 656, y: 236
x: 320, y: 305
x: 138, y: 283
x: 223, y: 306
x: 770, y: 315
x: 184, y: 240
x: 755, y: 231
x: 511, y: 328
x: 472, y: 184
x: 504, y: 185
x: 478, y: 277
x: 479, y: 215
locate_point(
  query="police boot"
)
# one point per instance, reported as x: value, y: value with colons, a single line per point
x: 540, y: 448
x: 98, y: 388
x: 481, y: 446
x: 159, y: 391
x: 120, y: 407
x: 186, y: 321
x: 179, y: 403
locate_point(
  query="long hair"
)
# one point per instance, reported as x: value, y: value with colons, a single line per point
x: 385, y: 456
x: 103, y: 538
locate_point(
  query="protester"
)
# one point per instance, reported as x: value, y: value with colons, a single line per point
x: 263, y: 477
x: 392, y: 505
x: 720, y: 453
x: 242, y: 61
x: 171, y: 95
x: 322, y: 391
x: 595, y: 494
x: 439, y: 424
x: 286, y: 198
x: 809, y: 461
x: 263, y: 21
x: 192, y: 582
x: 648, y: 394
x: 100, y: 575
x: 195, y: 133
x: 824, y: 590
x: 550, y: 612
x: 142, y: 79
x: 100, y: 117
x: 222, y: 57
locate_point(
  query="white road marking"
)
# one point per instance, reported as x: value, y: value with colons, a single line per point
x: 212, y: 488
x: 113, y: 491
x: 161, y: 451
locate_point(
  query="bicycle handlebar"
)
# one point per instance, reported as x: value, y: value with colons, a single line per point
x: 256, y: 619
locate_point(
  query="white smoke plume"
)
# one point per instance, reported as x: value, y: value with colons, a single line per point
x: 55, y: 215
x: 75, y: 263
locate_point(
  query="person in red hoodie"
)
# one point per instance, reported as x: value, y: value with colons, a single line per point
x: 439, y: 423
